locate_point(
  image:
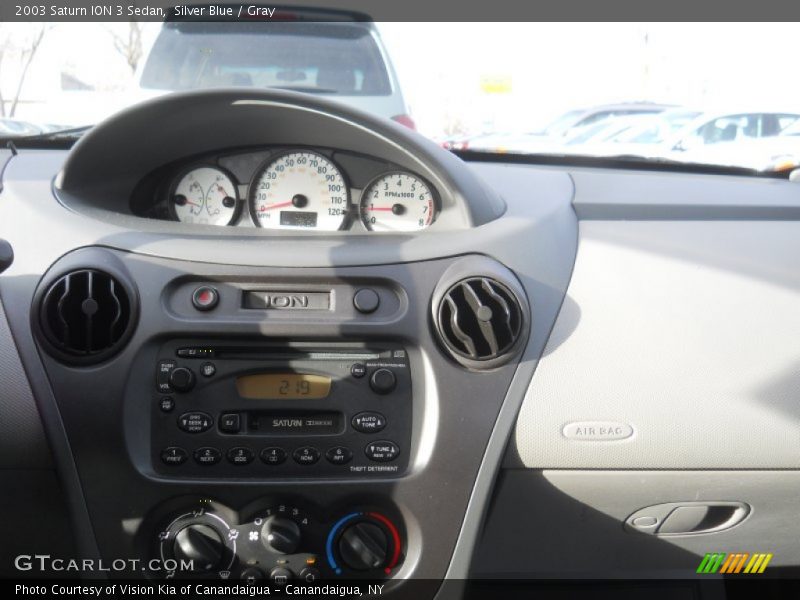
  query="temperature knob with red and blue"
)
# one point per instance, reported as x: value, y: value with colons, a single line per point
x: 363, y: 541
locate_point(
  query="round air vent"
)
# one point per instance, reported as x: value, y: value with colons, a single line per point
x: 86, y: 316
x: 480, y: 321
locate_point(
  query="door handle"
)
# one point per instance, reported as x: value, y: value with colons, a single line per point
x: 687, y: 518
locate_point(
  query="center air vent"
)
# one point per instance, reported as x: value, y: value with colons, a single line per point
x: 86, y: 316
x: 480, y: 321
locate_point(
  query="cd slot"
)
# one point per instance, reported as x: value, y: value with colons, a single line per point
x: 280, y: 354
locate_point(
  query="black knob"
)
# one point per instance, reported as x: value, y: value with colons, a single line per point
x: 363, y: 546
x: 200, y: 544
x: 181, y: 379
x: 280, y: 534
x: 382, y: 381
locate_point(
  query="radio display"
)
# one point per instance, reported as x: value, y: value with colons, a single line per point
x: 277, y: 386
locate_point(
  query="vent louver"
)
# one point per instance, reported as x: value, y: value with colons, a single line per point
x: 479, y: 319
x: 86, y: 315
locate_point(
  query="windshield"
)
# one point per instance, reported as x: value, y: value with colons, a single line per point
x: 651, y: 91
x: 315, y: 57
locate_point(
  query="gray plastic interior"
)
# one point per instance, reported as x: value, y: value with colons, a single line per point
x: 679, y: 324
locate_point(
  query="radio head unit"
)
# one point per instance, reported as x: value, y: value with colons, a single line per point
x: 281, y: 410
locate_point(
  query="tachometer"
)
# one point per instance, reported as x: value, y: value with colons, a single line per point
x: 397, y: 202
x: 300, y: 190
x: 206, y: 196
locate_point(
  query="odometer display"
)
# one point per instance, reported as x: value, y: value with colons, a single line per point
x: 300, y: 190
x: 397, y: 202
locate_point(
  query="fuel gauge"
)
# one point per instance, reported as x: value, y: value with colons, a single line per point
x: 205, y: 196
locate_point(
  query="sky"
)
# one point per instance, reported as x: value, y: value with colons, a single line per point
x: 495, y: 76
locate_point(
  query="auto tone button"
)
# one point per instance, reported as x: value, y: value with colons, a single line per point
x: 369, y: 422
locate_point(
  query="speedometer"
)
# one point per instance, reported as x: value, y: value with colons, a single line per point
x: 397, y: 202
x: 205, y: 196
x: 300, y: 190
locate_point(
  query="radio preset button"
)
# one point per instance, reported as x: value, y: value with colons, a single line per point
x: 383, y: 451
x: 195, y: 422
x: 307, y: 455
x: 369, y: 422
x: 383, y: 381
x: 166, y: 404
x: 240, y: 456
x: 163, y: 372
x: 208, y: 369
x: 230, y: 423
x: 273, y: 455
x: 339, y: 455
x: 207, y: 456
x: 358, y: 370
x: 174, y: 456
x: 181, y: 379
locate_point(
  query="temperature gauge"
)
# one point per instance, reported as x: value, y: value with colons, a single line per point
x: 397, y: 202
x: 205, y: 196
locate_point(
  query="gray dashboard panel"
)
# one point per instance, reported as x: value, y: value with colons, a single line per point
x: 569, y: 524
x: 22, y: 440
x: 687, y: 332
x: 538, y: 218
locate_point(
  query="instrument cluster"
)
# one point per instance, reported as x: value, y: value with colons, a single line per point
x: 298, y: 189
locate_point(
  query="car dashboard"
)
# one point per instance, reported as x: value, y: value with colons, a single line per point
x: 232, y: 358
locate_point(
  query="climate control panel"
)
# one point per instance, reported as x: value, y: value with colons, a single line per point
x: 281, y: 410
x: 278, y: 542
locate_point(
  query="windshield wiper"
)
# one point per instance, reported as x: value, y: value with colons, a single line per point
x: 59, y: 135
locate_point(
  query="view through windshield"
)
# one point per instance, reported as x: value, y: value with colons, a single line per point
x: 652, y: 91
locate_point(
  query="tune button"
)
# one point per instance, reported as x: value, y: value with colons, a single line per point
x: 195, y: 422
x: 174, y: 456
x: 207, y: 456
x: 339, y: 455
x: 166, y: 404
x: 307, y: 455
x: 240, y: 456
x: 273, y: 456
x: 383, y: 451
x: 369, y: 422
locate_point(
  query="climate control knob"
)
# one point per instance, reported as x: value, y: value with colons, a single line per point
x: 281, y: 535
x: 200, y: 544
x: 363, y: 546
